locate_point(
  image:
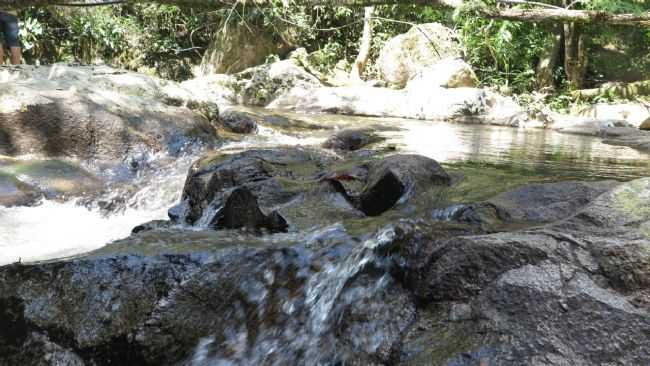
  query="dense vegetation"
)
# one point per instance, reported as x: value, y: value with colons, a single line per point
x: 169, y: 40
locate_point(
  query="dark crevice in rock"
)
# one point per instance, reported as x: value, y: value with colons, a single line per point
x: 241, y: 211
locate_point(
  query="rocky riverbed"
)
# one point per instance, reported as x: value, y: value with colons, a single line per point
x: 251, y: 236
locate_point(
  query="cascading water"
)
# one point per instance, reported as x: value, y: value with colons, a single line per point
x: 56, y: 228
x: 319, y: 318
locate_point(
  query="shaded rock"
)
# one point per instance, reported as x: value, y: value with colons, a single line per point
x: 404, y: 55
x: 241, y: 211
x: 238, y: 122
x: 547, y: 202
x: 236, y: 47
x: 352, y: 139
x: 584, y: 323
x: 382, y: 194
x: 645, y: 125
x: 260, y: 85
x: 446, y: 73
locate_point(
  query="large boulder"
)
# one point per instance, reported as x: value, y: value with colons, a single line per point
x: 306, y: 187
x: 91, y: 112
x: 446, y: 73
x: 238, y: 46
x: 259, y: 86
x: 470, y: 105
x: 422, y: 46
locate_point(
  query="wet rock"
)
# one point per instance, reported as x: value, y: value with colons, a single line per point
x: 489, y: 217
x: 92, y: 112
x: 306, y: 187
x: 402, y: 56
x: 414, y: 292
x: 238, y: 122
x: 248, y: 305
x: 379, y: 185
x: 263, y: 171
x: 547, y: 202
x: 241, y: 211
x: 352, y: 139
x: 151, y: 225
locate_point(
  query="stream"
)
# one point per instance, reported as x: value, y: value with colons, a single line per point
x: 496, y: 159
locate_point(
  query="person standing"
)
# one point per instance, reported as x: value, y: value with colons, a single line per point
x: 9, y: 28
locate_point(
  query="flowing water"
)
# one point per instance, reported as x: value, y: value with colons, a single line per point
x: 495, y: 158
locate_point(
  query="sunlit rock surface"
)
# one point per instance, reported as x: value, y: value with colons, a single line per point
x: 92, y: 112
x: 423, y: 45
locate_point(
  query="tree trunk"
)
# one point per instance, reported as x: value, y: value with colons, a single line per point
x: 549, y: 59
x: 364, y: 48
x: 515, y: 14
x: 575, y: 55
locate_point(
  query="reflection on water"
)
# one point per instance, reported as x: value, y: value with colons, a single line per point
x: 530, y: 149
x: 497, y: 158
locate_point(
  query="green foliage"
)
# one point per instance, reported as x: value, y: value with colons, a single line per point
x: 161, y: 38
x: 503, y: 52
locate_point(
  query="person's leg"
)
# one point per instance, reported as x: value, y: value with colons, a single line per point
x: 16, y: 56
x: 11, y: 31
x: 3, y: 41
